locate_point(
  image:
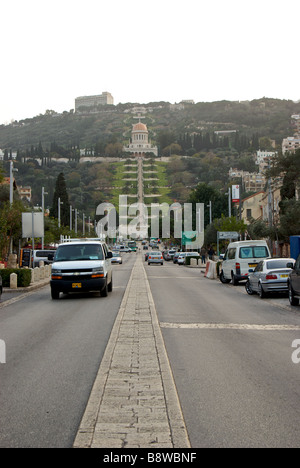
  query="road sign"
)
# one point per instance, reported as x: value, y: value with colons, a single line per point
x: 228, y: 235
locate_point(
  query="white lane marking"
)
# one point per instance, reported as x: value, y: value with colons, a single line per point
x: 229, y: 326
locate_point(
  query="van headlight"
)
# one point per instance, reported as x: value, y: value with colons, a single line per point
x: 98, y: 270
x: 55, y: 271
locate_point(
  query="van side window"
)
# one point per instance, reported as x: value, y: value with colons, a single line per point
x: 231, y: 254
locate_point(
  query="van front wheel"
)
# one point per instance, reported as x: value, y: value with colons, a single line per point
x: 223, y: 279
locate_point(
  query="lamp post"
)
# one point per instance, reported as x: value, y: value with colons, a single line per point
x: 11, y: 194
x: 11, y: 182
x: 210, y: 214
x: 43, y: 211
x: 59, y: 203
x: 229, y: 201
x: 71, y: 209
x: 76, y: 220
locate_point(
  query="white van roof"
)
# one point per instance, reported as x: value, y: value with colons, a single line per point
x: 248, y: 242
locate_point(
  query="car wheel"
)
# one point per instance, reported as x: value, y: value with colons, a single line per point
x: 104, y: 290
x: 249, y: 288
x: 110, y: 286
x: 223, y: 279
x: 234, y: 280
x: 293, y: 300
x: 261, y: 292
x: 54, y: 293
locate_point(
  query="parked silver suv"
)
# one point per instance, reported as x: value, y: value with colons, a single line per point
x: 81, y: 265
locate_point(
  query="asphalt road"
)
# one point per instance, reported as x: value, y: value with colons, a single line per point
x: 230, y: 355
x: 53, y: 352
x: 234, y: 374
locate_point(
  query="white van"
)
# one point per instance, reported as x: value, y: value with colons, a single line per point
x: 241, y: 258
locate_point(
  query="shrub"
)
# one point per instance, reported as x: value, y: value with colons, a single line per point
x: 23, y: 274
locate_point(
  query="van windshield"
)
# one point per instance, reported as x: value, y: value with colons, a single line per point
x: 71, y: 252
x: 256, y: 251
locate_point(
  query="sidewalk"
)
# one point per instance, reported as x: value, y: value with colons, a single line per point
x: 134, y: 403
x: 11, y: 295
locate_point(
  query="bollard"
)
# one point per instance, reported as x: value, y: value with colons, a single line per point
x: 42, y: 272
x: 13, y: 281
x: 36, y: 274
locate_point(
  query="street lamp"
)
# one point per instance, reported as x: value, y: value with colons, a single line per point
x: 11, y: 182
x: 43, y: 211
x: 210, y: 214
x: 229, y: 201
x: 59, y: 203
x: 71, y: 209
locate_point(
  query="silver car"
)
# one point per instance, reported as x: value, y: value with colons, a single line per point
x: 116, y: 258
x: 155, y: 257
x: 271, y: 275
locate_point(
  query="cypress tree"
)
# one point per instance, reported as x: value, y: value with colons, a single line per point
x: 61, y: 192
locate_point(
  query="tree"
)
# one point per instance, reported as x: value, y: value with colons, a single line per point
x: 204, y: 193
x: 61, y: 192
x: 10, y: 224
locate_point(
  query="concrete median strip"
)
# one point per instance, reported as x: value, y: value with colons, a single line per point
x: 134, y: 402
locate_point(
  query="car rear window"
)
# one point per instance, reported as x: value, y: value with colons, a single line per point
x: 44, y: 253
x: 277, y: 264
x: 257, y: 251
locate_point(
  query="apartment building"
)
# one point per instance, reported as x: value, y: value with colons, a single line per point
x: 94, y: 101
x: 292, y: 144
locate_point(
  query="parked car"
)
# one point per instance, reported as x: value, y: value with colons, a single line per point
x: 270, y: 276
x: 0, y: 286
x: 241, y: 258
x: 42, y: 255
x: 81, y: 266
x: 155, y: 257
x: 116, y: 258
x: 181, y: 258
x: 294, y: 283
x: 175, y: 257
x: 169, y: 254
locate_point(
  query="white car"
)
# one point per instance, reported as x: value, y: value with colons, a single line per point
x: 181, y: 258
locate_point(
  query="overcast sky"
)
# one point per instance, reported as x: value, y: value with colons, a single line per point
x: 144, y: 51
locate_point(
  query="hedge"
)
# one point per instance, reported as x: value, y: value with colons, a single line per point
x: 23, y: 274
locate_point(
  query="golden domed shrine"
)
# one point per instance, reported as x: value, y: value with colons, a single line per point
x: 139, y: 144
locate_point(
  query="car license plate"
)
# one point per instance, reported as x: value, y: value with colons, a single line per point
x: 76, y: 285
x: 284, y: 276
x: 253, y: 265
